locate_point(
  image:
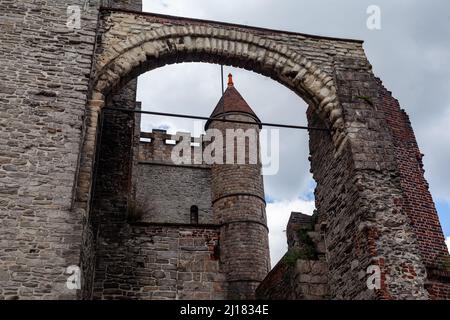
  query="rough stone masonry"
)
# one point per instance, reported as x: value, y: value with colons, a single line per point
x: 58, y: 147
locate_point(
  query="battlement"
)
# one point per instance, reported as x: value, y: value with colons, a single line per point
x: 158, y: 146
x: 168, y: 191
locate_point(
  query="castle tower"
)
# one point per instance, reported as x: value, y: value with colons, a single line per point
x: 238, y: 196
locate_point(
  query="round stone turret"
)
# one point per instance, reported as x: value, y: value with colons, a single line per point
x: 238, y: 196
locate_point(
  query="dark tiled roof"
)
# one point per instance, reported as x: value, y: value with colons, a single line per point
x: 232, y: 101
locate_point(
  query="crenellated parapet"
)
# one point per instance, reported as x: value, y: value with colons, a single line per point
x: 159, y: 146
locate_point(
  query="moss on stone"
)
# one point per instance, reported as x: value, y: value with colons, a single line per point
x: 307, y: 250
x: 444, y: 264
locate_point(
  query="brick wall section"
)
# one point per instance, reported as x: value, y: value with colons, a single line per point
x: 417, y: 200
x: 439, y: 288
x: 378, y: 219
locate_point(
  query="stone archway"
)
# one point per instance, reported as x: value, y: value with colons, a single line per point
x: 165, y: 45
x: 360, y: 188
x: 122, y: 58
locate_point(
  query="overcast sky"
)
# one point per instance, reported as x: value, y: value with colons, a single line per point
x: 411, y: 54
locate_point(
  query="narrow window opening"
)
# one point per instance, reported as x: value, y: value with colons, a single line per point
x: 194, y: 215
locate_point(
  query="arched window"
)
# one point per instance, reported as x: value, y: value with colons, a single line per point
x: 194, y: 215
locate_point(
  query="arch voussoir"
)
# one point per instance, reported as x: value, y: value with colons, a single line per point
x: 198, y: 42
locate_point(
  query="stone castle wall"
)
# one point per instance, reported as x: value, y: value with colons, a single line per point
x: 417, y: 201
x: 165, y: 191
x: 158, y: 254
x: 45, y: 71
x: 151, y: 262
x: 113, y: 184
x: 59, y: 208
x: 302, y: 273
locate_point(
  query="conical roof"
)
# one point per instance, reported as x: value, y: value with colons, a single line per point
x: 232, y: 102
